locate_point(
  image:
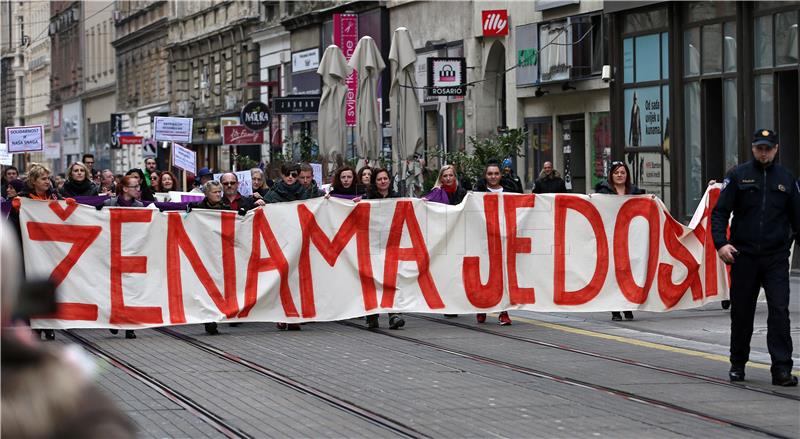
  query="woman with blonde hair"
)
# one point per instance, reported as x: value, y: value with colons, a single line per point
x: 447, y: 190
x: 79, y: 183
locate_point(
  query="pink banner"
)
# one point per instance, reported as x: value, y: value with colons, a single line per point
x: 345, y: 35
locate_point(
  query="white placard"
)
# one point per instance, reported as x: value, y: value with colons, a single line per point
x: 184, y: 158
x: 317, y: 169
x: 52, y: 150
x: 245, y: 182
x: 5, y: 157
x: 173, y: 129
x: 25, y: 138
x: 305, y: 60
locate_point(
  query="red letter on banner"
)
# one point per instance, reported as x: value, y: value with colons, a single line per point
x: 81, y: 237
x: 257, y: 264
x: 489, y: 294
x: 647, y: 208
x: 120, y: 313
x: 357, y: 223
x: 592, y: 289
x: 178, y: 239
x: 514, y: 245
x: 671, y: 293
x: 703, y: 234
x: 418, y: 252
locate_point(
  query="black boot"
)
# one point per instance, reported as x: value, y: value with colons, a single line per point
x: 211, y: 328
x: 113, y: 331
x: 628, y: 315
x: 396, y: 321
x: 372, y: 321
x: 616, y: 316
x: 130, y: 334
x: 736, y: 373
x: 784, y: 378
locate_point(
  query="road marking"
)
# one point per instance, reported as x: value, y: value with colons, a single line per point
x: 642, y: 343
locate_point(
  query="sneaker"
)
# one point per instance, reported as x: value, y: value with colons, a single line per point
x: 616, y: 316
x: 505, y: 320
x: 129, y: 334
x: 396, y: 322
x: 282, y: 326
x: 372, y: 321
x: 784, y: 378
x: 211, y: 328
x: 628, y: 315
x: 480, y: 317
x: 293, y: 326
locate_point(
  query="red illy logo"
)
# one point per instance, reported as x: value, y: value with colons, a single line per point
x: 495, y: 23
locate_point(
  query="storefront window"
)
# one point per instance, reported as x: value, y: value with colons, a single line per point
x: 692, y: 139
x: 712, y: 48
x: 648, y: 53
x: 455, y: 127
x: 729, y: 47
x: 600, y: 146
x: 764, y: 100
x: 763, y: 41
x: 539, y: 147
x: 627, y: 60
x: 691, y: 51
x: 730, y: 122
x: 786, y: 38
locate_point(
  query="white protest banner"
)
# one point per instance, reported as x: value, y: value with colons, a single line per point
x: 316, y: 168
x: 25, y: 138
x: 173, y: 129
x: 5, y: 157
x: 184, y: 158
x: 245, y: 182
x: 331, y: 259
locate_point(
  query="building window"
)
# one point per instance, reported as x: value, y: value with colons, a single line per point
x: 587, y: 46
x: 539, y: 146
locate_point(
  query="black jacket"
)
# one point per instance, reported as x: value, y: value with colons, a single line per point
x: 74, y: 189
x: 509, y: 185
x: 222, y: 205
x: 281, y: 192
x: 458, y: 196
x: 605, y: 188
x: 765, y: 203
x: 552, y: 184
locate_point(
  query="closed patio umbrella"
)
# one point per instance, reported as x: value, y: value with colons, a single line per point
x: 334, y: 71
x: 404, y: 101
x: 367, y: 61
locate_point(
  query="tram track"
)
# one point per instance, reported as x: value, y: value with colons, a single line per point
x: 204, y: 414
x: 652, y: 402
x: 367, y: 415
x: 630, y: 362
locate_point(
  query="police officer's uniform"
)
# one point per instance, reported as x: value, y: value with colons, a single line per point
x: 765, y: 202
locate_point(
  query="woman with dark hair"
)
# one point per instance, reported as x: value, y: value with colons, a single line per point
x: 344, y: 184
x: 168, y: 182
x: 380, y: 187
x: 14, y: 188
x: 492, y: 176
x: 155, y: 181
x: 364, y: 181
x: 618, y: 183
x: 79, y: 183
x: 146, y: 194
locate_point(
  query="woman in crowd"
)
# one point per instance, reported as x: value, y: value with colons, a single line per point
x: 285, y: 190
x: 344, y: 184
x: 618, y: 183
x: 14, y: 188
x: 168, y: 182
x: 128, y: 190
x: 146, y: 193
x: 492, y: 175
x: 364, y: 181
x: 381, y: 188
x: 79, y: 183
x: 155, y: 182
x: 260, y: 188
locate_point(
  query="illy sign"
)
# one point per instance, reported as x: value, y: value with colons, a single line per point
x: 255, y: 115
x: 495, y: 23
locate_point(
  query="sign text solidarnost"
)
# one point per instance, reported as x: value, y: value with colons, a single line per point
x: 332, y: 260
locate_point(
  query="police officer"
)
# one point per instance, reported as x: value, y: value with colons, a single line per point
x: 765, y: 201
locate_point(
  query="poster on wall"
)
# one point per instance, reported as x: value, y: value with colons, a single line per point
x: 600, y: 144
x: 643, y: 117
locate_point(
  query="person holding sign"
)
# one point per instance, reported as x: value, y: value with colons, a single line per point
x: 230, y: 189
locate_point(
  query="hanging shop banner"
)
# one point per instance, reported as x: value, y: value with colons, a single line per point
x: 332, y: 259
x: 173, y: 129
x: 241, y: 135
x: 25, y: 138
x: 345, y: 35
x: 296, y: 104
x: 447, y: 76
x: 184, y: 158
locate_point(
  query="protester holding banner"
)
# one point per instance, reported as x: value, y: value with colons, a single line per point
x: 146, y: 193
x: 618, y: 183
x: 446, y: 190
x: 381, y: 188
x: 79, y: 183
x: 492, y: 176
x: 344, y: 184
x: 364, y: 180
x: 230, y: 190
x: 107, y: 183
x: 260, y: 188
x: 14, y: 188
x: 549, y: 181
x: 168, y: 182
x: 288, y: 188
x: 306, y: 178
x: 764, y: 199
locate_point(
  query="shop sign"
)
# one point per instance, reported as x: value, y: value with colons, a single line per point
x: 495, y: 22
x: 184, y: 158
x: 131, y: 140
x: 345, y: 35
x: 25, y: 138
x: 173, y: 129
x: 447, y: 76
x: 296, y: 105
x: 305, y: 60
x: 527, y: 40
x: 255, y: 115
x: 241, y: 135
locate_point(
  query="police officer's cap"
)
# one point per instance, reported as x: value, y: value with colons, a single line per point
x: 765, y: 137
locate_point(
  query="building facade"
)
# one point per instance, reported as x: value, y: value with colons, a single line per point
x: 100, y: 90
